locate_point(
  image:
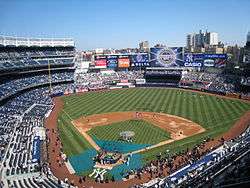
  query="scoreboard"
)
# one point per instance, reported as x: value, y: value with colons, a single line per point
x: 166, y: 57
x: 123, y: 61
x: 112, y: 61
x: 100, y: 62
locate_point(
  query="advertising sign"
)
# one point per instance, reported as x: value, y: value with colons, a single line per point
x: 215, y: 60
x: 166, y: 57
x: 112, y: 61
x: 139, y: 60
x: 140, y: 81
x: 36, y: 149
x: 123, y: 62
x: 193, y: 60
x: 100, y: 61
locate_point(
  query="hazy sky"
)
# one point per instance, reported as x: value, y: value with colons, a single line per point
x: 123, y: 23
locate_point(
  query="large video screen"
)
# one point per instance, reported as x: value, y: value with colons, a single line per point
x: 100, y: 61
x: 112, y: 61
x: 123, y: 62
x: 139, y: 60
x: 166, y: 57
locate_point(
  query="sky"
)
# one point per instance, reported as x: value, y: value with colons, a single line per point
x: 124, y: 23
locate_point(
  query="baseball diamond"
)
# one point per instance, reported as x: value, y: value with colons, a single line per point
x: 93, y: 121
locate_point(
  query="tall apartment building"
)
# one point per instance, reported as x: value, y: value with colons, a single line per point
x: 248, y: 39
x: 212, y: 38
x: 247, y: 49
x: 201, y: 39
x: 190, y: 40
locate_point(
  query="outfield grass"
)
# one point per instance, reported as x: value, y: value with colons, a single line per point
x: 145, y: 133
x: 215, y: 114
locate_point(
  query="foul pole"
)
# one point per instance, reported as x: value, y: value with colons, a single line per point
x: 50, y: 80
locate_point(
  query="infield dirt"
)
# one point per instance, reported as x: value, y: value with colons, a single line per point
x: 178, y: 127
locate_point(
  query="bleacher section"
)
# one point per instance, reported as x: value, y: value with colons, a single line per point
x: 203, y: 172
x: 13, y: 86
x: 19, y: 118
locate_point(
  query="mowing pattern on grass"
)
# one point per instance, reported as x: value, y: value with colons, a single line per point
x: 145, y: 133
x: 215, y: 114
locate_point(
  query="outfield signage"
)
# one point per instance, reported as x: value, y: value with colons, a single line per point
x: 215, y: 60
x: 206, y: 60
x: 215, y: 56
x: 140, y: 81
x: 193, y: 60
x: 36, y: 149
x: 139, y: 60
x: 100, y: 61
x: 166, y: 57
x: 112, y: 61
x: 123, y: 62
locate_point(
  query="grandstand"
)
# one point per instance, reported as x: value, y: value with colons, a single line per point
x: 23, y: 53
x: 29, y: 68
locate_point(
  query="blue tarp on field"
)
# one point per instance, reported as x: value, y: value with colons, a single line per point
x: 83, y: 161
x: 121, y: 147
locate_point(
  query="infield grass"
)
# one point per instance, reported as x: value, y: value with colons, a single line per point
x: 213, y: 113
x: 145, y: 133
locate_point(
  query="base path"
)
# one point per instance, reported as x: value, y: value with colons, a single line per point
x: 178, y: 127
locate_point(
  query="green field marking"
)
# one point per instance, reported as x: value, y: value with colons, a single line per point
x: 213, y: 113
x: 145, y: 132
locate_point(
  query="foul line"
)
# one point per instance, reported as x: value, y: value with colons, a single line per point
x: 84, y: 134
x: 67, y: 115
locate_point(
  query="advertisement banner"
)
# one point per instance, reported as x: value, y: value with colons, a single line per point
x: 36, y: 149
x: 215, y: 60
x: 112, y: 61
x: 123, y: 62
x: 100, y: 62
x: 167, y: 57
x: 124, y: 81
x: 139, y: 60
x: 140, y: 81
x: 193, y: 60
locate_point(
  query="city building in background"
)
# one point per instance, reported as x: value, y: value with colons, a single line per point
x: 99, y: 51
x: 160, y: 46
x: 190, y: 40
x: 211, y: 38
x: 204, y: 42
x: 248, y: 38
x: 144, y: 46
x: 247, y: 50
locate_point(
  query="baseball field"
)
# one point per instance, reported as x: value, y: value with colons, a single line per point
x: 214, y: 114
